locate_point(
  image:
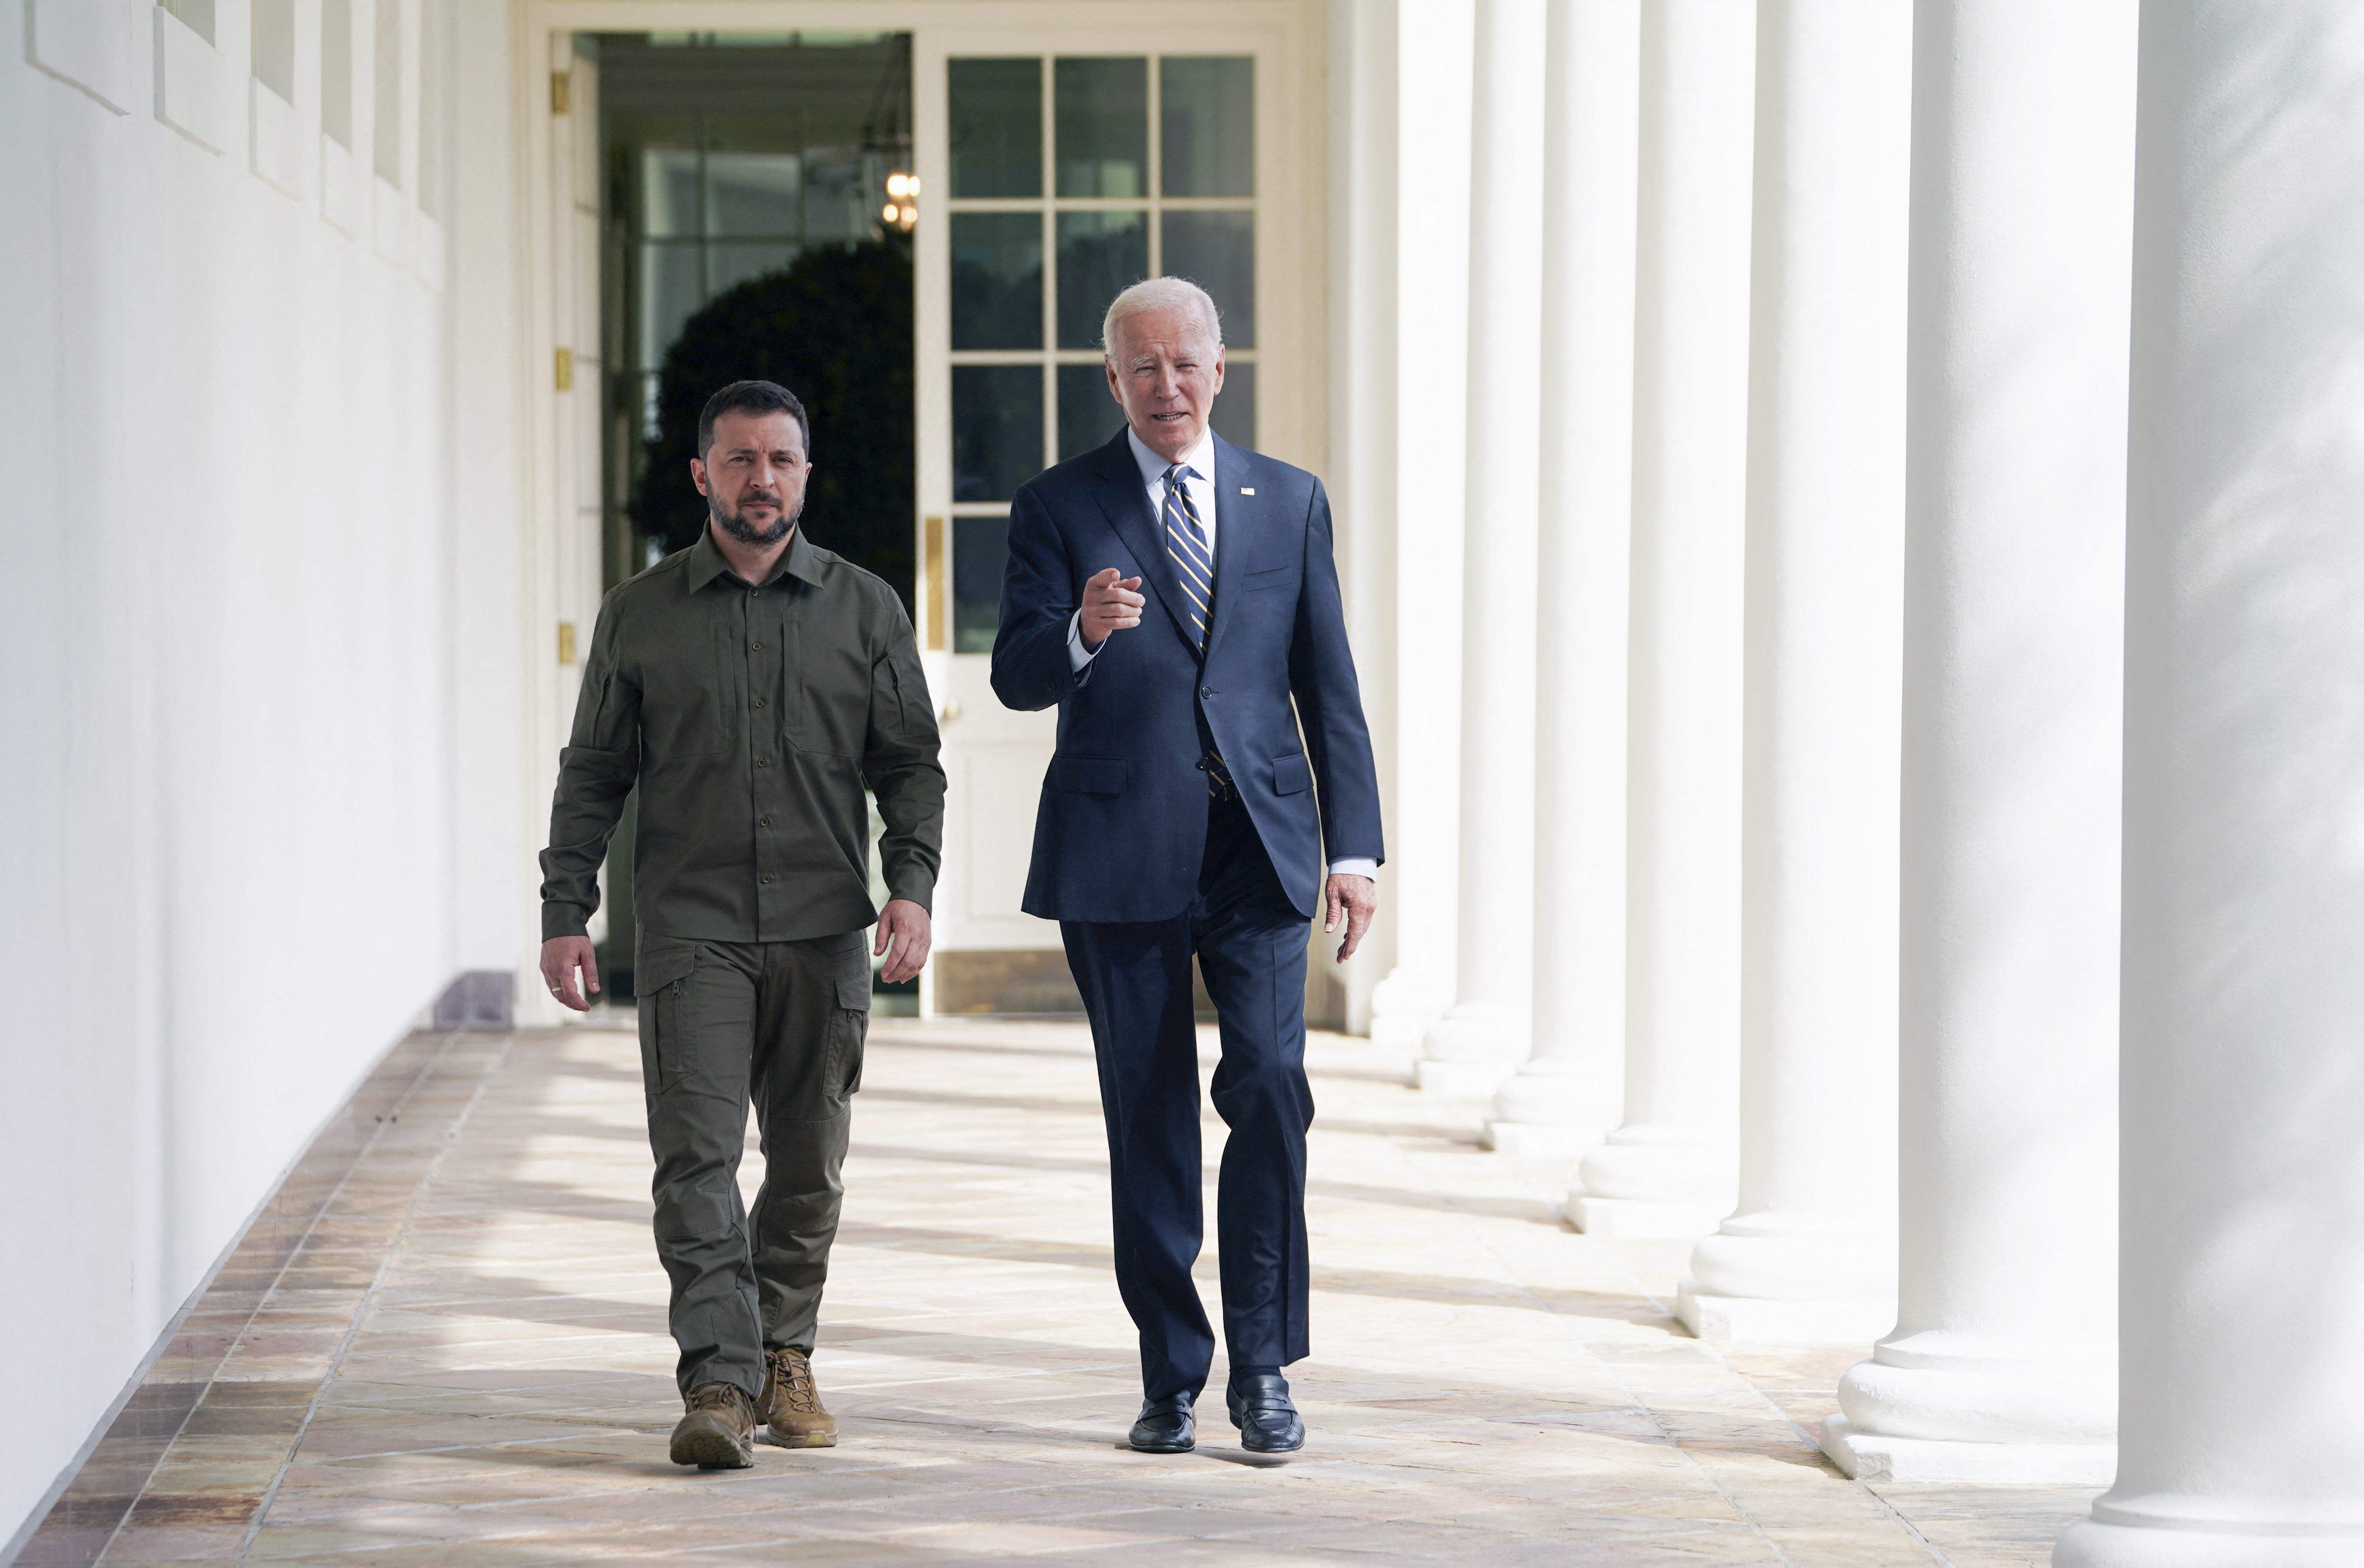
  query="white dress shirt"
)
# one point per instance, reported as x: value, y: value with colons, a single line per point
x: 1198, y: 484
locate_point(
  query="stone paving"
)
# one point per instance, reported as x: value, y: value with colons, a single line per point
x: 445, y: 1346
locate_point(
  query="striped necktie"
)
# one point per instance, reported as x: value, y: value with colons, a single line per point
x: 1185, y: 541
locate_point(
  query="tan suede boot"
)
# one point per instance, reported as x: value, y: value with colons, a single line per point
x: 717, y: 1431
x: 792, y: 1404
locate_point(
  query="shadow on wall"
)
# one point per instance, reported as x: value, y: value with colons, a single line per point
x: 478, y: 1000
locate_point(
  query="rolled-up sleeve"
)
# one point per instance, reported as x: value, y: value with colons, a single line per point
x: 596, y: 772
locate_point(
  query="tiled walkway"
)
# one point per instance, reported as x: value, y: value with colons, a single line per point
x: 447, y: 1347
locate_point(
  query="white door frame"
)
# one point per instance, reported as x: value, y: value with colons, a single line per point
x: 561, y: 536
x: 994, y: 758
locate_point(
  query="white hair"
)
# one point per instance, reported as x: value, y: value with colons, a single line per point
x: 1161, y: 294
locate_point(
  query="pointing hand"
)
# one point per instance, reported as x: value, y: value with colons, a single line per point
x: 1110, y: 605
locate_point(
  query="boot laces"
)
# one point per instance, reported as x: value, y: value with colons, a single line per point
x: 792, y: 1374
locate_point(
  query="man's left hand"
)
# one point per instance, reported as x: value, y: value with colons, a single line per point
x: 904, y: 936
x: 1352, y: 900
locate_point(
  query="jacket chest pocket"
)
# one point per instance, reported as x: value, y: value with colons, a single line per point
x: 1287, y: 574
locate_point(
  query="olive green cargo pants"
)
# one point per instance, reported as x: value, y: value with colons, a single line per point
x: 723, y: 1023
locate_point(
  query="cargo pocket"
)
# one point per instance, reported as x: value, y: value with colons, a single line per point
x: 661, y: 970
x: 849, y: 1026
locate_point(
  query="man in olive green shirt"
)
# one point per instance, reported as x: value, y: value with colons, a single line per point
x: 752, y: 687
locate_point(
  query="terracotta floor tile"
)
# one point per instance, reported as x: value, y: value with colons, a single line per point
x: 458, y: 1358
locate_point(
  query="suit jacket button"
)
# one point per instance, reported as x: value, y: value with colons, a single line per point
x: 1206, y: 692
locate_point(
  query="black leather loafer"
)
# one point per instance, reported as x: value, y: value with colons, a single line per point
x: 1261, y: 1409
x: 1165, y: 1426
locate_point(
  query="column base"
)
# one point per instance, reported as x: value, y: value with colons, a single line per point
x: 1642, y: 1218
x: 1543, y: 1141
x: 1462, y: 1080
x: 1984, y: 1392
x: 1404, y: 1005
x: 1757, y: 1320
x: 1473, y: 1051
x: 1403, y: 1031
x: 1552, y: 1110
x: 1679, y: 1168
x: 1772, y: 1255
x: 1870, y: 1456
x: 2091, y: 1544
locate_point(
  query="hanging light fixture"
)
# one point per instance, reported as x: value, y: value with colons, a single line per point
x: 901, y: 208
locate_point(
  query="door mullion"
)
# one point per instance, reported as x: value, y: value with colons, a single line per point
x: 1153, y: 177
x: 1050, y: 264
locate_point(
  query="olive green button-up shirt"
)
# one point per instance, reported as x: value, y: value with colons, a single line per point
x: 752, y: 719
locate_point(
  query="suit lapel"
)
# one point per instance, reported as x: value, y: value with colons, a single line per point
x: 1124, y: 501
x: 1236, y: 521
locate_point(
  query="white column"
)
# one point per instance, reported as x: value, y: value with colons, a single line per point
x: 1567, y: 1096
x: 2023, y: 149
x: 1431, y: 252
x: 1363, y: 100
x: 1668, y: 1169
x: 2243, y: 1251
x: 1809, y: 1258
x: 1483, y: 1037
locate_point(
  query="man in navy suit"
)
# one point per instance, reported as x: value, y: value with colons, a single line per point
x: 1177, y: 597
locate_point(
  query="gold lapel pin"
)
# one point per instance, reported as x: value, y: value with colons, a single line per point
x: 1247, y: 489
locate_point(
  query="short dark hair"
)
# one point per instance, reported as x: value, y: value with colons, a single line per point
x: 750, y: 398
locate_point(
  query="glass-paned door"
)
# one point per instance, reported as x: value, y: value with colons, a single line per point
x: 1057, y: 170
x: 1069, y: 177
x: 728, y: 158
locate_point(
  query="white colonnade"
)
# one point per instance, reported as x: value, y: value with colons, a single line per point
x: 1484, y: 1036
x: 1810, y: 1256
x: 2022, y: 147
x: 2244, y: 1086
x: 1568, y: 1093
x: 1669, y: 1168
x: 1887, y: 857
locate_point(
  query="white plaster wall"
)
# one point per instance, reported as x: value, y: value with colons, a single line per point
x: 231, y: 634
x: 497, y: 825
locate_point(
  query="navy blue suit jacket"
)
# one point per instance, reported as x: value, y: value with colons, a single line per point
x: 1123, y: 824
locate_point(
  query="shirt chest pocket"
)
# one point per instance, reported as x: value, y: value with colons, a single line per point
x: 829, y: 699
x: 686, y: 710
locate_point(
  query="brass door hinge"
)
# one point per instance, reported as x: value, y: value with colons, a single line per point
x: 562, y: 90
x: 566, y: 642
x: 564, y: 371
x: 931, y: 556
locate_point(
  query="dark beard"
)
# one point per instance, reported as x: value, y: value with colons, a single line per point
x: 738, y: 528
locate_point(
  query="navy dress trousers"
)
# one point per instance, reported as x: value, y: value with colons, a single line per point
x: 1145, y: 860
